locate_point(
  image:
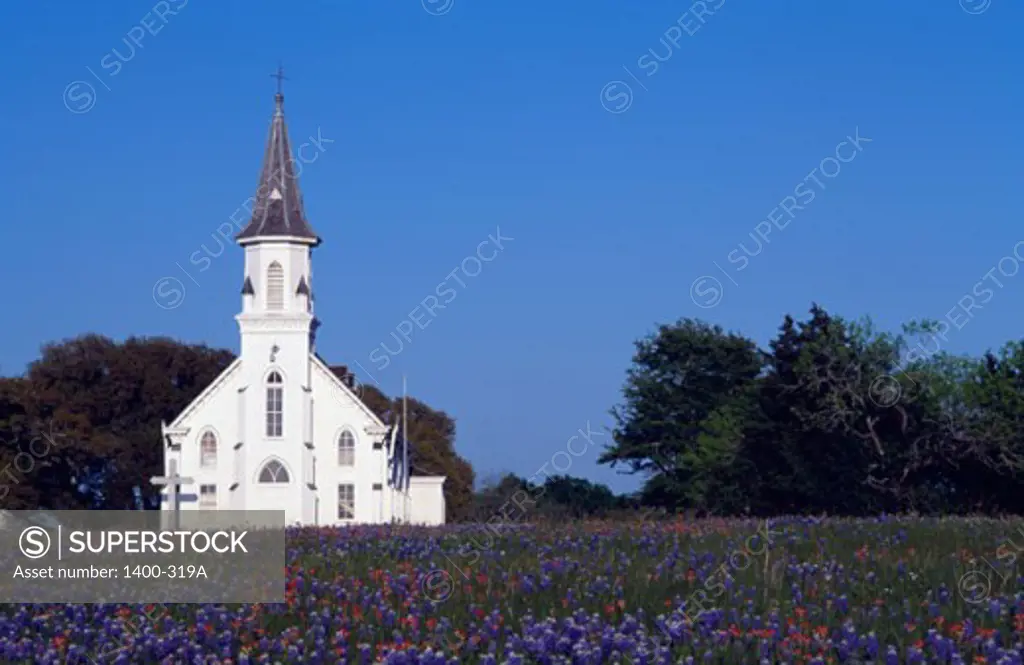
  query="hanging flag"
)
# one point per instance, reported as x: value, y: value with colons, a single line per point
x: 398, y: 458
x: 393, y: 439
x: 393, y: 454
x: 403, y: 462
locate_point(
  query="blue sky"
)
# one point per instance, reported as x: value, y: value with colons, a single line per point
x: 443, y: 123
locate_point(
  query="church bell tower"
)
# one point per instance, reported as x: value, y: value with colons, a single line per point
x: 277, y: 288
x: 277, y: 323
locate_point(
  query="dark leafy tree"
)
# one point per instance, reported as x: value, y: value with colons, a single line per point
x: 833, y: 417
x: 511, y: 499
x: 686, y: 398
x: 104, y: 402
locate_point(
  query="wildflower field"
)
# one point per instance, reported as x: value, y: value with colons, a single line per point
x: 789, y: 590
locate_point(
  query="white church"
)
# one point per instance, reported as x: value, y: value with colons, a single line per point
x: 278, y: 429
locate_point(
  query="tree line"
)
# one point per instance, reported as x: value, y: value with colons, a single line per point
x: 833, y: 417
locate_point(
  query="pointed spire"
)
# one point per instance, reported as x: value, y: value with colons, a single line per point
x: 278, y: 209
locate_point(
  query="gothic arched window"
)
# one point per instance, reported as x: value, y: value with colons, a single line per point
x: 275, y: 405
x: 208, y: 450
x: 347, y: 449
x: 274, y: 472
x: 275, y: 286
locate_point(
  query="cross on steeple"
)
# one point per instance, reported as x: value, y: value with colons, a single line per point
x: 278, y: 207
x: 280, y: 77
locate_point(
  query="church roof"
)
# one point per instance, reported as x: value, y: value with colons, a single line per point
x: 341, y: 371
x: 278, y: 209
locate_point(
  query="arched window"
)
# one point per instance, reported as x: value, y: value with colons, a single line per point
x: 275, y: 405
x: 274, y: 472
x: 208, y: 450
x: 275, y: 286
x: 346, y: 449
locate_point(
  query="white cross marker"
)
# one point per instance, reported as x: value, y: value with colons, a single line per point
x: 173, y: 481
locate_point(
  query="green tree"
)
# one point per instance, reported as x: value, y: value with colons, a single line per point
x: 839, y: 419
x: 686, y: 398
x: 981, y: 426
x: 821, y: 417
x: 106, y: 400
x: 579, y: 497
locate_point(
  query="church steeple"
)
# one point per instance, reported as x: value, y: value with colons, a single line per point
x: 277, y: 213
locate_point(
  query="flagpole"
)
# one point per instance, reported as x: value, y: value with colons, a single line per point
x: 405, y: 452
x: 392, y: 462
